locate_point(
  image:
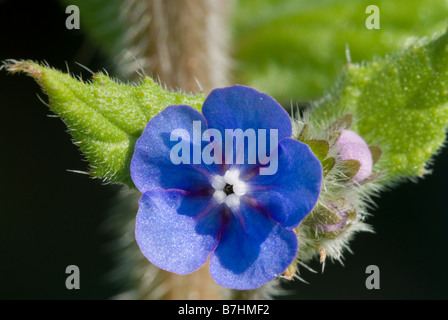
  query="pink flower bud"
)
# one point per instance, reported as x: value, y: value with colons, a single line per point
x: 353, y: 147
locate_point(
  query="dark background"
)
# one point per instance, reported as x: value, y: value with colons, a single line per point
x: 52, y: 218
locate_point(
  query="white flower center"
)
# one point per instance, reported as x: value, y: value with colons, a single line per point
x: 229, y: 188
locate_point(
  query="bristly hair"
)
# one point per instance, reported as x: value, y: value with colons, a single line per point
x: 337, y: 190
x: 181, y: 42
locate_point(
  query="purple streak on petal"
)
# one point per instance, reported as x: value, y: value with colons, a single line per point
x: 173, y: 230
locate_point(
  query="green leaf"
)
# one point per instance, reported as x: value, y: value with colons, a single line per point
x: 104, y: 117
x: 399, y: 103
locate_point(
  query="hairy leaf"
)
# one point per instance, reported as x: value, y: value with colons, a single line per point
x: 399, y: 103
x: 104, y: 117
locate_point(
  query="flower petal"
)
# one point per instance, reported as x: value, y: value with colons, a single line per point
x: 291, y: 193
x: 175, y: 231
x: 253, y: 250
x: 151, y: 165
x: 240, y: 107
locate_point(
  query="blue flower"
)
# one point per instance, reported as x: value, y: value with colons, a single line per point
x: 224, y: 210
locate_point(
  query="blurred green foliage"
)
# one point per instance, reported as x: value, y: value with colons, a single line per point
x: 294, y: 50
x: 102, y: 21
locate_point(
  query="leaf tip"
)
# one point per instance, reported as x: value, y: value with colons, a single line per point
x: 29, y: 67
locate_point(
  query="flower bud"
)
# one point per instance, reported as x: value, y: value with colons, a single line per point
x: 353, y: 147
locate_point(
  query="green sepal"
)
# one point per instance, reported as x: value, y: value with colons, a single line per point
x: 344, y: 122
x: 376, y: 153
x: 320, y: 149
x: 349, y: 168
x: 337, y: 215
